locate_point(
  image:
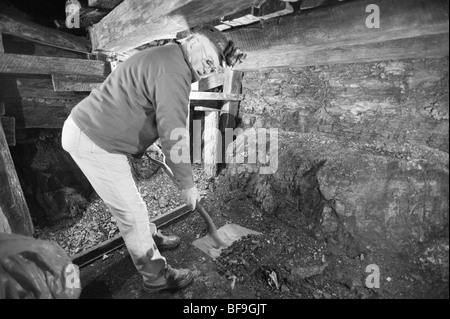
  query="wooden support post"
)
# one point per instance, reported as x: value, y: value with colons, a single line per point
x: 2, y: 48
x: 9, y: 128
x: 12, y: 201
x: 232, y: 85
x: 196, y: 151
x: 213, y: 141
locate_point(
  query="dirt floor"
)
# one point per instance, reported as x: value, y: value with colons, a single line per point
x: 284, y: 262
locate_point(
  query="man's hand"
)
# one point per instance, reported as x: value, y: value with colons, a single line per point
x: 154, y: 148
x: 191, y: 196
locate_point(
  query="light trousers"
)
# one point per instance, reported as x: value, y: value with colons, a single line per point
x: 111, y: 177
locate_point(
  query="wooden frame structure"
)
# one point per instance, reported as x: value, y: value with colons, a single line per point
x: 216, y: 118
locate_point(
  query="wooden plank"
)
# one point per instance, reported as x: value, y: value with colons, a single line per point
x: 44, y: 34
x: 39, y: 113
x: 9, y: 129
x: 295, y: 56
x: 210, y: 82
x: 77, y: 83
x: 104, y: 4
x: 134, y: 23
x: 91, y: 254
x: 342, y: 25
x: 12, y: 201
x: 29, y: 64
x: 212, y: 144
x: 36, y: 86
x: 215, y: 96
x: 310, y: 4
x: 205, y: 109
x: 86, y: 83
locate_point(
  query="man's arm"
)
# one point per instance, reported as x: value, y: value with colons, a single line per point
x: 172, y: 107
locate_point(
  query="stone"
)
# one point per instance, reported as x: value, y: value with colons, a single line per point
x: 382, y: 200
x: 285, y: 289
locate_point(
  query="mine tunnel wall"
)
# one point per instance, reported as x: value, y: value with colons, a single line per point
x: 380, y: 134
x: 53, y: 185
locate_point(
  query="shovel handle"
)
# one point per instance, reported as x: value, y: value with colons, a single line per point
x: 212, y: 230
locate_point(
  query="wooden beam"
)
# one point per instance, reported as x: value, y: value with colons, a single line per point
x: 418, y: 47
x: 9, y: 129
x: 134, y: 23
x: 342, y: 30
x: 205, y: 109
x: 346, y: 24
x: 66, y: 83
x: 214, y: 96
x: 266, y: 9
x: 29, y: 64
x: 89, y: 255
x: 104, y: 4
x: 12, y: 201
x: 210, y: 82
x: 80, y: 83
x: 44, y: 34
x: 39, y: 113
x: 37, y: 86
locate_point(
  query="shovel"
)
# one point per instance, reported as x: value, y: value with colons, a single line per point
x: 216, y: 239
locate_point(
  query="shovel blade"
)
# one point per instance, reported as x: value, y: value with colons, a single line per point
x: 228, y: 235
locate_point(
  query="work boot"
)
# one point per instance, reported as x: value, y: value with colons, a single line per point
x: 170, y: 278
x: 166, y: 242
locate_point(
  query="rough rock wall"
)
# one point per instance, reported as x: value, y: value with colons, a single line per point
x: 392, y: 101
x: 53, y: 186
x: 362, y: 147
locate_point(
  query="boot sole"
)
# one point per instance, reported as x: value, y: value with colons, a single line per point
x: 169, y: 247
x: 186, y: 282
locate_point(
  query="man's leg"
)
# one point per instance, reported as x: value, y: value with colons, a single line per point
x: 110, y: 175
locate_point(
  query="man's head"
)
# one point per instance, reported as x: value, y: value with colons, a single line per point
x: 209, y: 50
